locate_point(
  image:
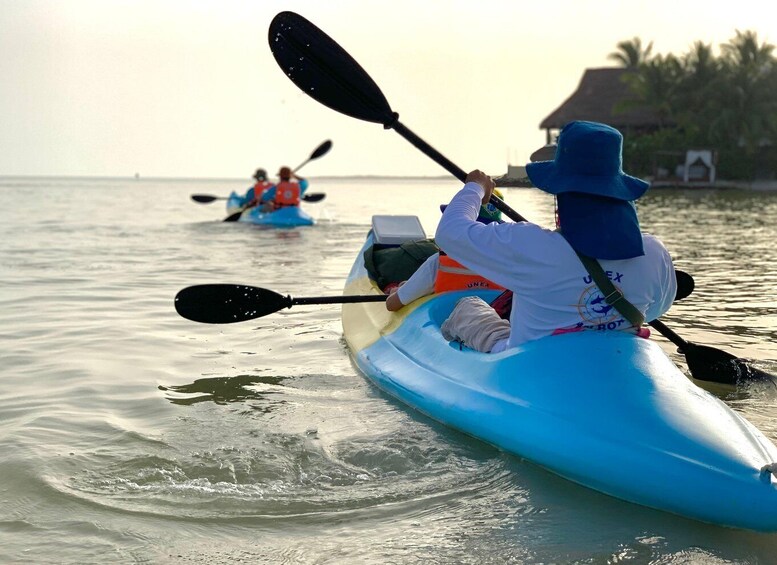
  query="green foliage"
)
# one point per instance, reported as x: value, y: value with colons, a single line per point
x: 726, y: 102
x: 630, y: 53
x: 642, y: 153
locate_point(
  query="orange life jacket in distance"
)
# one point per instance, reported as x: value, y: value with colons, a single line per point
x: 287, y: 193
x: 259, y: 188
x: 452, y: 275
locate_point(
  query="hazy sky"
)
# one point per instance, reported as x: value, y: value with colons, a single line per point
x: 189, y: 88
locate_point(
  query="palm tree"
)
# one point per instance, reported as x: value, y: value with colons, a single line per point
x: 743, y: 51
x: 697, y: 91
x: 654, y: 84
x: 700, y: 62
x: 630, y: 54
x: 748, y: 103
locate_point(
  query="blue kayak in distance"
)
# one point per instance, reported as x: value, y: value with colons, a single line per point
x: 290, y: 216
x: 607, y: 410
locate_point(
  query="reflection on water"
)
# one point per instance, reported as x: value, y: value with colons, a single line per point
x: 222, y: 390
x: 287, y: 234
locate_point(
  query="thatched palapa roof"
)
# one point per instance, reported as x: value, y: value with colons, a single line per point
x: 597, y: 99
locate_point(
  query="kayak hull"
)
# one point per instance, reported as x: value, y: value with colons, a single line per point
x: 607, y: 410
x: 291, y: 216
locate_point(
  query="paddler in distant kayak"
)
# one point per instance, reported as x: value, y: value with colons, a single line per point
x: 287, y: 192
x: 254, y: 194
x: 554, y: 292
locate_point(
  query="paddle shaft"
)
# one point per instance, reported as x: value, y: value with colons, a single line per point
x: 669, y: 334
x: 448, y: 165
x: 338, y: 299
x: 305, y: 162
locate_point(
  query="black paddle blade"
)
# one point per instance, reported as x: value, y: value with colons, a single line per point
x: 227, y: 303
x: 710, y: 364
x: 205, y: 198
x: 325, y: 71
x: 314, y: 197
x: 685, y: 284
x: 233, y: 217
x: 321, y: 150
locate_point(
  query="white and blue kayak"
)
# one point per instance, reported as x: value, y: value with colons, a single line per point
x: 290, y: 216
x: 607, y: 410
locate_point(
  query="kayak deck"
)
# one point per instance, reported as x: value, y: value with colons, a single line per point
x: 607, y: 410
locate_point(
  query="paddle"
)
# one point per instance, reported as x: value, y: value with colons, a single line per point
x: 207, y: 198
x: 709, y: 364
x: 314, y: 197
x: 685, y: 284
x: 230, y: 303
x: 326, y: 72
x: 320, y: 151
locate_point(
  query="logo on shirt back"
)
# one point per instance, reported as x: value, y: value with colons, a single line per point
x: 594, y: 310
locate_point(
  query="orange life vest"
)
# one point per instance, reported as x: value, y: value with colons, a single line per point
x: 452, y: 275
x: 260, y: 187
x: 287, y: 193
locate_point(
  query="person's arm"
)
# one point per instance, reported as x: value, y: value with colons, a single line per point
x: 459, y: 233
x: 303, y: 184
x: 419, y: 284
x: 668, y: 283
x: 507, y: 254
x: 463, y: 210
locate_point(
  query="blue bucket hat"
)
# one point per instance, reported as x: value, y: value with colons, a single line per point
x: 595, y: 208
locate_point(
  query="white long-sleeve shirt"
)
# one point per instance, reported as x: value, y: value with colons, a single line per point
x: 553, y: 293
x: 422, y: 281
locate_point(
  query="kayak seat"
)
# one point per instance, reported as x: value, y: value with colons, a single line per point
x: 442, y: 305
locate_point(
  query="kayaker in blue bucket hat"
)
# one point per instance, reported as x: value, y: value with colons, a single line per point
x: 553, y: 290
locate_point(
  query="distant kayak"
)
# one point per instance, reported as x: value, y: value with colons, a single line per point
x: 290, y: 216
x: 607, y: 410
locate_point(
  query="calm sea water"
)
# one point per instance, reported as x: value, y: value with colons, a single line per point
x: 131, y: 435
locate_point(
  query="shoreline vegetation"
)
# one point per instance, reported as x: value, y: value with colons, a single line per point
x: 505, y: 181
x: 723, y: 101
x: 756, y: 185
